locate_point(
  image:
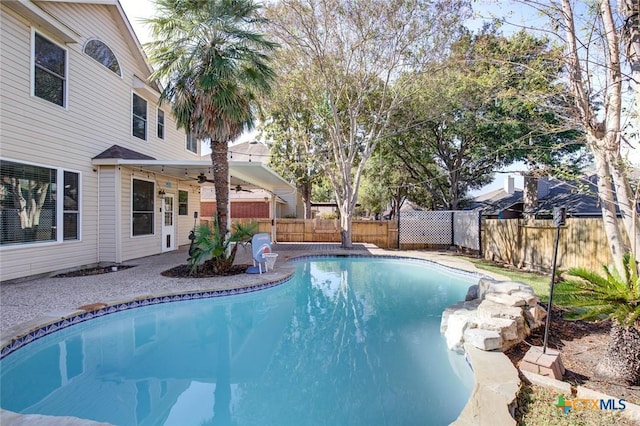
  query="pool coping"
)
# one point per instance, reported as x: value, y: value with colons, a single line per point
x: 494, y: 389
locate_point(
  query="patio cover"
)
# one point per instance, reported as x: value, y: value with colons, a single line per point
x: 246, y: 173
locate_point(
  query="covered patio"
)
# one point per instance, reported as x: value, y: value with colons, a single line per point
x: 247, y: 175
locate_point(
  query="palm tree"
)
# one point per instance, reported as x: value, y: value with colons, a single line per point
x: 214, y: 65
x: 594, y: 297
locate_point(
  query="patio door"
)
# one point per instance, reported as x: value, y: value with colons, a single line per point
x: 168, y: 223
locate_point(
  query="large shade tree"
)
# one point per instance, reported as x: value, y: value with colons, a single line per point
x: 492, y: 101
x: 214, y: 64
x: 352, y: 54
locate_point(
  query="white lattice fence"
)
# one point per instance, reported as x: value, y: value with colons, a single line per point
x: 425, y: 227
x: 460, y: 228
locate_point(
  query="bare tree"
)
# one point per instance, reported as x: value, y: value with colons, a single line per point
x: 352, y: 54
x: 595, y: 61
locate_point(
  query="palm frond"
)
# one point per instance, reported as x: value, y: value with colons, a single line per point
x: 592, y: 296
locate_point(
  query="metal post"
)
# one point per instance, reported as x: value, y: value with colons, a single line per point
x: 558, y: 221
x: 453, y: 229
x: 480, y: 254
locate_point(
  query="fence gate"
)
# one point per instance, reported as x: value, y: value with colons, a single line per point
x: 446, y: 228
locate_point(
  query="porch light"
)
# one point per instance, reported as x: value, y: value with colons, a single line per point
x: 161, y: 194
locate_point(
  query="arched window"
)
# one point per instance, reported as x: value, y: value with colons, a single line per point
x: 101, y: 53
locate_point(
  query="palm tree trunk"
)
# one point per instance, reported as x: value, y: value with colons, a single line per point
x: 621, y: 362
x: 220, y: 164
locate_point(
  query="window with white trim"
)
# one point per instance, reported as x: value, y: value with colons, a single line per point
x: 192, y: 143
x: 139, y: 119
x: 71, y: 206
x: 160, y: 123
x: 49, y: 70
x: 32, y: 206
x: 183, y: 203
x: 100, y: 52
x: 142, y: 207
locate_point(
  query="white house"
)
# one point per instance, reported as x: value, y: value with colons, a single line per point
x: 93, y: 169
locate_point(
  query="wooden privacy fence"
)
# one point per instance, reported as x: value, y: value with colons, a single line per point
x: 383, y: 233
x: 529, y: 244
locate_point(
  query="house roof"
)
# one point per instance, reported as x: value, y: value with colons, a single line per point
x: 117, y: 151
x: 496, y: 201
x: 579, y: 199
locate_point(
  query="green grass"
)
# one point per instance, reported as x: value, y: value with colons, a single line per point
x: 539, y: 282
x: 537, y: 407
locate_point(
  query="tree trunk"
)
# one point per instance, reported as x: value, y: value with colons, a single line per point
x: 602, y: 135
x: 626, y: 200
x: 608, y: 207
x: 621, y: 361
x: 345, y: 230
x: 305, y: 190
x: 530, y: 197
x: 630, y: 9
x: 221, y: 182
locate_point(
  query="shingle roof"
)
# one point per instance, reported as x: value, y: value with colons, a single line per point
x: 117, y: 151
x: 580, y: 199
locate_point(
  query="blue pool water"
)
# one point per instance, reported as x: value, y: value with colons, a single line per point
x: 347, y: 341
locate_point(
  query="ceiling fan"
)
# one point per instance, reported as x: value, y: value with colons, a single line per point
x: 239, y: 188
x: 203, y: 179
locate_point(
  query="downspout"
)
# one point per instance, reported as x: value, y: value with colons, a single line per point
x: 272, y: 214
x: 98, y: 170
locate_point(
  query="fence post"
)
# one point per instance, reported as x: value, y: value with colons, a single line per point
x: 480, y: 234
x: 398, y: 237
x: 453, y: 228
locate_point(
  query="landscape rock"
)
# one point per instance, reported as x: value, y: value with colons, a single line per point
x: 495, y: 315
x: 487, y: 340
x: 472, y: 293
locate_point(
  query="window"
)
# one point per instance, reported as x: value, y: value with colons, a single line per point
x: 160, y: 123
x: 49, y: 70
x: 30, y: 208
x: 139, y: 117
x: 101, y: 53
x: 183, y: 203
x: 70, y: 207
x: 142, y: 207
x: 192, y: 143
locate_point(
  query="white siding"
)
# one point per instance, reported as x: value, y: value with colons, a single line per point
x: 97, y: 116
x: 108, y: 200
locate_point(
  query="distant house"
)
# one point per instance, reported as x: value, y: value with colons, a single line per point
x: 93, y: 169
x: 580, y: 199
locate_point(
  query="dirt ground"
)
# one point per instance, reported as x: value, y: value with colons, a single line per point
x: 582, y: 344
